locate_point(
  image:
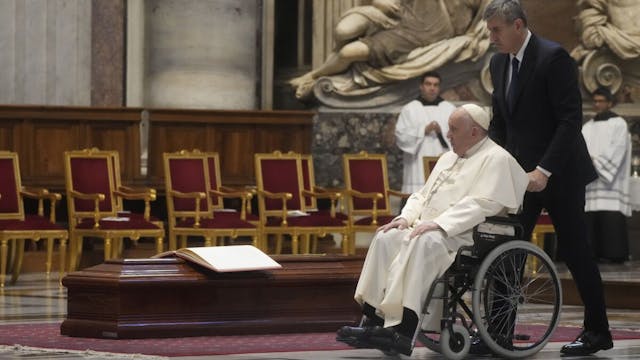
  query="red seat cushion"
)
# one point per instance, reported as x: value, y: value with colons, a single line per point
x: 223, y: 222
x: 31, y: 222
x: 307, y: 221
x: 249, y: 217
x: 136, y: 216
x: 544, y: 219
x: 382, y: 220
x: 339, y: 215
x: 129, y: 224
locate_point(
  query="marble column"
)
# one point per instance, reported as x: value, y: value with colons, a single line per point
x: 107, y: 52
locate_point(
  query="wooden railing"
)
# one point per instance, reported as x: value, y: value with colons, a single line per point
x: 41, y: 134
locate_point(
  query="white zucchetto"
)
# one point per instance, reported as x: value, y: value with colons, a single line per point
x: 478, y: 114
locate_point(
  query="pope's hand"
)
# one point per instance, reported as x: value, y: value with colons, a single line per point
x: 537, y: 181
x: 423, y: 228
x: 400, y: 223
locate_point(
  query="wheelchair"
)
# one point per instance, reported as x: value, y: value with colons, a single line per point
x: 503, y: 291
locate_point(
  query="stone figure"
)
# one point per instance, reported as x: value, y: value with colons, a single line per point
x: 393, y: 40
x: 609, y: 49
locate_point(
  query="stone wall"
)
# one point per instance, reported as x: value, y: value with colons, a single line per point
x: 45, y: 52
x: 336, y: 133
x: 201, y: 54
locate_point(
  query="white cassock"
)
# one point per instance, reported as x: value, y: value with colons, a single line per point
x: 459, y: 194
x: 410, y: 138
x: 609, y: 144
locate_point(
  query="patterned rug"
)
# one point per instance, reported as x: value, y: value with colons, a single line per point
x: 48, y: 336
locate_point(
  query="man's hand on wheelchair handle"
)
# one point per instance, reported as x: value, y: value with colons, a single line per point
x: 537, y: 181
x: 400, y: 223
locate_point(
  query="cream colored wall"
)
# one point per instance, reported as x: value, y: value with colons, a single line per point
x: 45, y: 52
x: 201, y: 54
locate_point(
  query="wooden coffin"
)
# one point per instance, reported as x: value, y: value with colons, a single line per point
x: 150, y: 298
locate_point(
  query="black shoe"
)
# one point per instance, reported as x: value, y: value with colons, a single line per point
x: 588, y: 342
x: 354, y: 336
x: 390, y: 341
x: 353, y: 331
x: 478, y: 347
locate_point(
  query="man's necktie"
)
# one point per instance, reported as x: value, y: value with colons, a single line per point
x: 511, y: 93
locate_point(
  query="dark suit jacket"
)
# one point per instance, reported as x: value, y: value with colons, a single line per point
x: 545, y: 127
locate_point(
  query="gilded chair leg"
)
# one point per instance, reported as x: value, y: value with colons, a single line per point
x: 294, y: 244
x: 314, y: 244
x: 49, y: 256
x: 76, y: 252
x: 72, y: 257
x: 172, y: 241
x: 536, y: 241
x: 208, y: 241
x: 306, y: 246
x: 345, y: 245
x: 17, y: 265
x: 3, y: 261
x: 254, y: 241
x: 159, y: 244
x: 107, y: 249
x: 62, y: 249
x: 278, y: 244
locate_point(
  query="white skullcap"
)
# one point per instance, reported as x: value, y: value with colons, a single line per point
x: 478, y: 114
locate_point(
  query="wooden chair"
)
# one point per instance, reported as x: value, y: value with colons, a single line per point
x: 94, y: 210
x: 219, y: 192
x: 281, y: 203
x: 428, y: 163
x: 119, y: 203
x: 311, y: 193
x: 543, y: 226
x: 190, y: 203
x: 16, y: 226
x: 368, y: 193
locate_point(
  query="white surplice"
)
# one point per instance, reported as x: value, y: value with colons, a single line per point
x: 460, y: 193
x: 410, y: 138
x: 609, y: 144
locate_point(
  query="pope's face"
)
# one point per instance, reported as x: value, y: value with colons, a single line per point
x: 460, y: 133
x: 506, y: 37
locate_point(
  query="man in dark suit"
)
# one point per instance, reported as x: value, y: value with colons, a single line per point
x: 537, y: 117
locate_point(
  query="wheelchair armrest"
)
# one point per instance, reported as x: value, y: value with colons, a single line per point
x: 494, y: 231
x: 511, y: 220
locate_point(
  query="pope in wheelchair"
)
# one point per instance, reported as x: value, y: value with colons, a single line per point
x: 420, y: 265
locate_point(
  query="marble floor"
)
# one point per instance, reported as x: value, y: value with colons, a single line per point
x: 37, y: 299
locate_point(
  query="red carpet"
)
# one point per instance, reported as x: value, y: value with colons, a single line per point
x: 48, y: 336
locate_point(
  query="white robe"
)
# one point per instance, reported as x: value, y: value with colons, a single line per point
x: 609, y: 144
x: 459, y: 194
x: 410, y: 138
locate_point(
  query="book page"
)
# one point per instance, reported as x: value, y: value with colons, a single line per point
x: 229, y: 258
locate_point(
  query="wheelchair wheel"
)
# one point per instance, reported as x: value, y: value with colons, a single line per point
x: 455, y: 342
x: 516, y: 298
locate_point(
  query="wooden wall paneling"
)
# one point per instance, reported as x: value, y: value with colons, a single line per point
x: 8, y: 131
x: 43, y: 150
x: 284, y: 138
x: 41, y: 134
x: 236, y: 135
x: 236, y: 146
x: 124, y: 138
x: 171, y: 137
